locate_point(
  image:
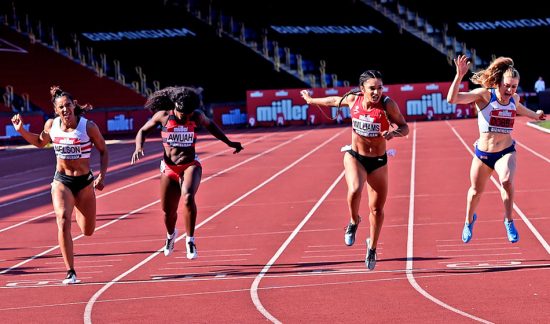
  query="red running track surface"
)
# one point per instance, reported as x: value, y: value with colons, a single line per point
x: 270, y: 236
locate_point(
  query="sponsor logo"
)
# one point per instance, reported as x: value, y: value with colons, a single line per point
x: 432, y: 87
x: 434, y: 101
x: 120, y: 123
x: 289, y: 111
x: 256, y: 94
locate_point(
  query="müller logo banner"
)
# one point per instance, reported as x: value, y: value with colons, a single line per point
x: 417, y: 101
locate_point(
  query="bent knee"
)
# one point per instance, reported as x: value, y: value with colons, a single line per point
x: 507, y: 184
x: 474, y: 191
x: 188, y: 199
x: 354, y: 190
x: 377, y: 211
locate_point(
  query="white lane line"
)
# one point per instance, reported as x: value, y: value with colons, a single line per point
x: 526, y: 220
x: 533, y: 151
x: 254, y: 288
x: 410, y: 251
x: 89, y: 305
x: 152, y: 203
x: 114, y: 190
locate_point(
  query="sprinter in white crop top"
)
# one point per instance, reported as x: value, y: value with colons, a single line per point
x: 497, y: 104
x: 73, y: 137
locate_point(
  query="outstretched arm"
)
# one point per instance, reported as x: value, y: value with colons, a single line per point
x: 524, y: 111
x: 142, y: 133
x: 38, y: 140
x: 325, y: 101
x: 217, y: 132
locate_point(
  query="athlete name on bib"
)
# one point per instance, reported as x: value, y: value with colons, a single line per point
x: 502, y: 121
x: 67, y: 148
x: 365, y: 127
x: 68, y: 151
x: 180, y: 139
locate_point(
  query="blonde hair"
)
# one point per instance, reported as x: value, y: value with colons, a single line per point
x: 492, y: 76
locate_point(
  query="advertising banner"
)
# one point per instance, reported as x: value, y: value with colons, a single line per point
x: 417, y: 101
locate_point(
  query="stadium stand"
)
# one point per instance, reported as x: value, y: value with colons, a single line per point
x: 495, y: 29
x: 38, y: 67
x: 344, y: 44
x: 222, y: 67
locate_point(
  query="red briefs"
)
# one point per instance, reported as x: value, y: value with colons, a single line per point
x: 175, y: 172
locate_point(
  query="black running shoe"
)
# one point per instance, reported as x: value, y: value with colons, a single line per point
x: 349, y: 237
x: 370, y: 259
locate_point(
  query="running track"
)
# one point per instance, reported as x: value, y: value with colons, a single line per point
x: 270, y: 237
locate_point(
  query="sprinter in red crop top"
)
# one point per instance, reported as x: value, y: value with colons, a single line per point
x: 177, y: 111
x: 366, y: 160
x: 497, y: 104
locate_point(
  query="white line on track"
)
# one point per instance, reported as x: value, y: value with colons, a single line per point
x: 533, y: 151
x: 254, y: 288
x: 93, y: 299
x: 526, y: 220
x: 143, y: 207
x: 114, y: 190
x: 536, y: 267
x: 410, y: 251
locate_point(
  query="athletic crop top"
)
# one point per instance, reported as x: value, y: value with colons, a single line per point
x: 71, y: 145
x: 370, y: 123
x: 495, y: 117
x: 175, y: 134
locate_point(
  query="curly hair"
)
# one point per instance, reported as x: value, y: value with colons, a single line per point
x: 57, y: 92
x: 492, y: 76
x: 187, y: 98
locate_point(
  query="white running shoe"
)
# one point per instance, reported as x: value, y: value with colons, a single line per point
x: 71, y: 278
x: 191, y: 250
x: 169, y: 246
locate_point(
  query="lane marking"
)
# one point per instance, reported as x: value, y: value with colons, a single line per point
x: 254, y: 288
x: 93, y: 299
x: 112, y: 191
x: 526, y: 220
x: 410, y: 251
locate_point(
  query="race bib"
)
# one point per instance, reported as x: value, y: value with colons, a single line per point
x: 366, y: 128
x: 502, y: 121
x: 180, y: 139
x: 67, y: 148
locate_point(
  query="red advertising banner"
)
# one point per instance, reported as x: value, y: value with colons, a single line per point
x: 110, y: 122
x: 33, y: 123
x: 229, y: 115
x: 417, y: 101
